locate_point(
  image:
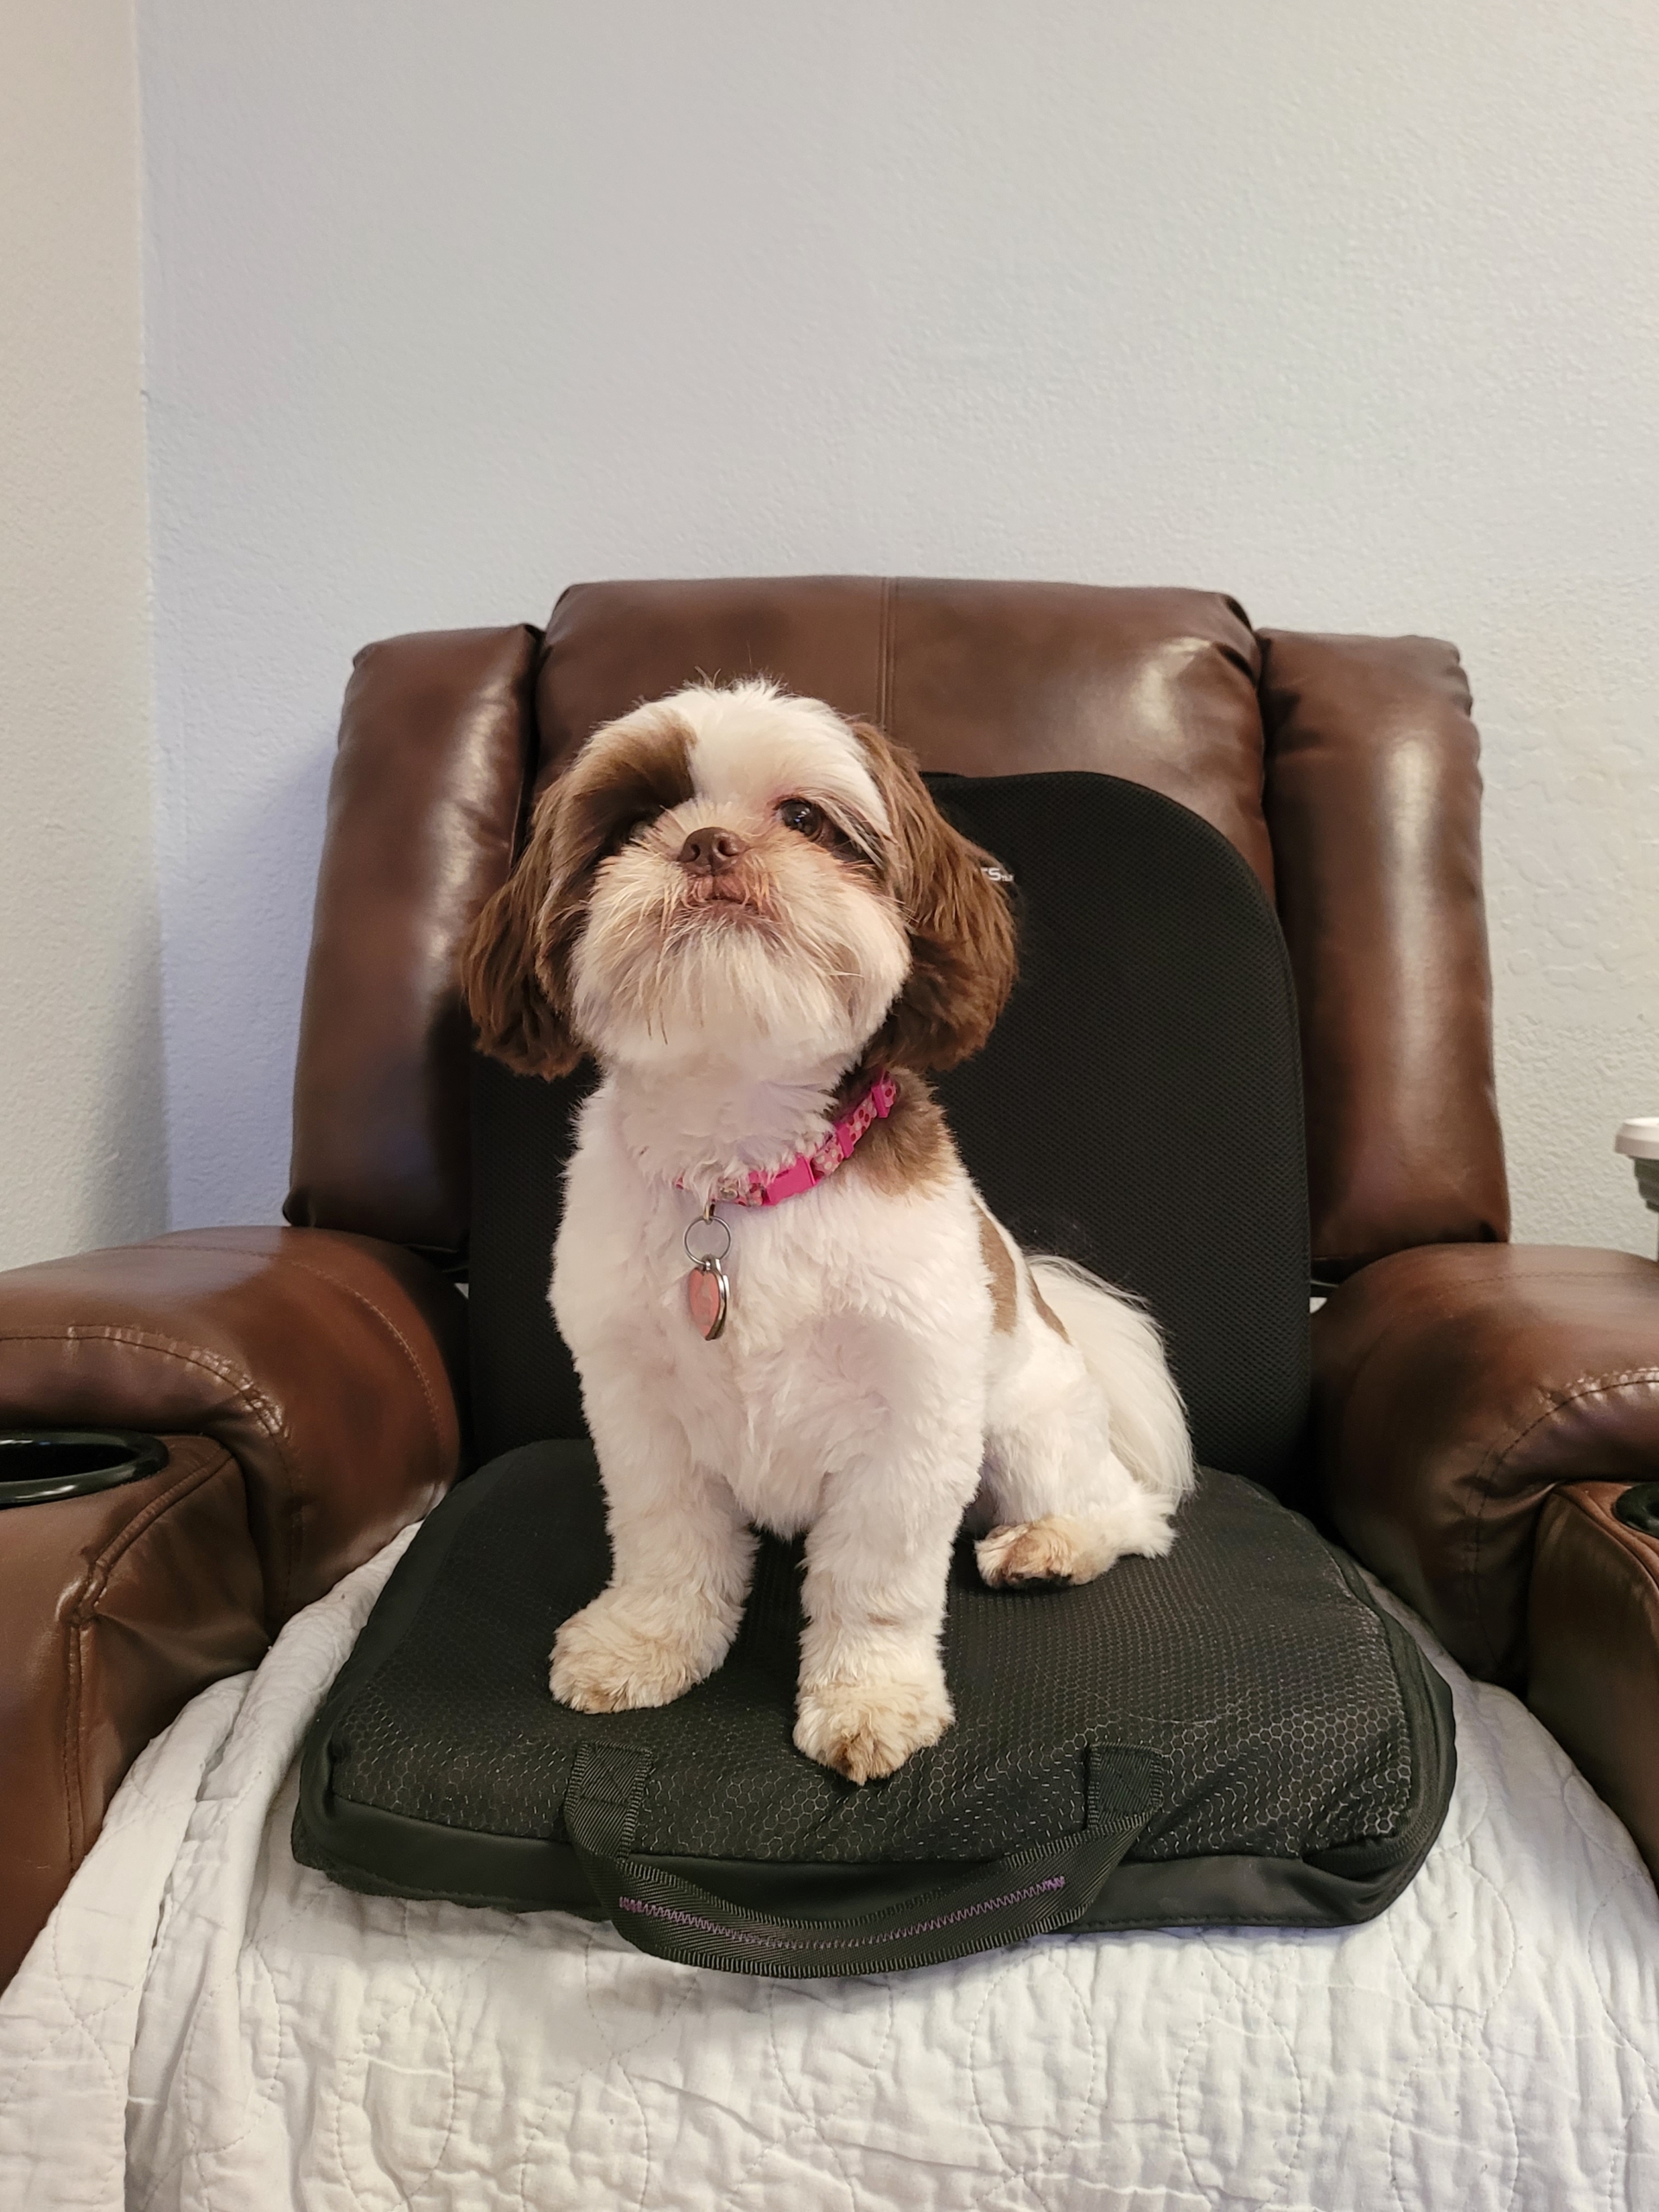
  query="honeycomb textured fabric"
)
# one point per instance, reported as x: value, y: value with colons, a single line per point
x: 1244, y: 1657
x: 1137, y: 1109
x: 207, y: 2023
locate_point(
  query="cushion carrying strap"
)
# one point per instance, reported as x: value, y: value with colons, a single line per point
x: 1033, y: 1891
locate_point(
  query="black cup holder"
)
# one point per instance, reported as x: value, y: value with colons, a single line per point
x: 38, y: 1465
x: 1638, y: 1508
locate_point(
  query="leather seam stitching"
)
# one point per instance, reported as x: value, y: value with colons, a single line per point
x: 73, y: 1805
x: 334, y: 1282
x: 80, y: 1621
x: 1641, y: 1552
x: 96, y: 1586
x: 246, y: 1393
x: 1486, y: 1480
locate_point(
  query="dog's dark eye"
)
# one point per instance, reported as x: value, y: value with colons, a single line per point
x: 801, y: 814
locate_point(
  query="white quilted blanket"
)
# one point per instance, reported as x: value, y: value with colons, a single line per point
x: 205, y: 2024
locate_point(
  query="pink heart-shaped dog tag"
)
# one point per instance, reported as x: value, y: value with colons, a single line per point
x: 705, y: 1294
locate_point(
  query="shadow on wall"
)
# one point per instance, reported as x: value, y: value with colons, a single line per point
x: 126, y: 1171
x: 236, y: 930
x: 83, y: 1104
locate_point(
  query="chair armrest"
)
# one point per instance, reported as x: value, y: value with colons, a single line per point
x: 115, y: 1609
x: 1455, y: 1387
x: 329, y: 1365
x: 1593, y: 1636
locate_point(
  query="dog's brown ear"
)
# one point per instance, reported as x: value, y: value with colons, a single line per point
x: 962, y: 934
x: 512, y: 960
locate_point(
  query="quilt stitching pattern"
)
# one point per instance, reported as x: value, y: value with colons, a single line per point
x: 205, y: 2024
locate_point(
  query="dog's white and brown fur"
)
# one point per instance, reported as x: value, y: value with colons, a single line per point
x: 741, y: 904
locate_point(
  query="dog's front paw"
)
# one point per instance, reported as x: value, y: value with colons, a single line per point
x: 606, y: 1659
x: 868, y: 1728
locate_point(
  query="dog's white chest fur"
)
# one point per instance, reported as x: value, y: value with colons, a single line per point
x: 813, y: 1366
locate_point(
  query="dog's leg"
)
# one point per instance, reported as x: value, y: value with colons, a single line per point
x: 1055, y: 1520
x: 681, y: 1558
x: 1087, y: 1454
x: 1063, y: 1504
x: 872, y: 1682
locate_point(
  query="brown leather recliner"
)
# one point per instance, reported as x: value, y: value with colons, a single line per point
x: 1479, y: 1407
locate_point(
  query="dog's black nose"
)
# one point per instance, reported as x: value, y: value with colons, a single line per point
x: 712, y: 852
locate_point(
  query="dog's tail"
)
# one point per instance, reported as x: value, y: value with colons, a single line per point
x: 1123, y: 1351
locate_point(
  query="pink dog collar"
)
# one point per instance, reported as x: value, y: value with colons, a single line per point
x: 752, y: 1188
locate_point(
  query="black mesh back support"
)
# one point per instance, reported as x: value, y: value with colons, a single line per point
x: 1233, y: 1734
x: 1138, y: 1109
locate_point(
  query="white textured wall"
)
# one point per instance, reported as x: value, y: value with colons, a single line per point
x: 82, y: 1154
x: 1354, y: 312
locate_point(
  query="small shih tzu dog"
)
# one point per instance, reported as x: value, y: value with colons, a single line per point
x: 788, y: 1305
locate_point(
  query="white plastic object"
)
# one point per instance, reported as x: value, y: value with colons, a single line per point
x: 1638, y: 1140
